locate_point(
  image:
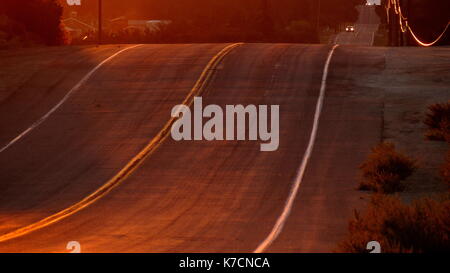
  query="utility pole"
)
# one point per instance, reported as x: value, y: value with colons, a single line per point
x: 400, y: 32
x: 390, y: 28
x: 406, y: 39
x: 267, y: 21
x: 393, y: 28
x: 318, y: 14
x: 100, y: 29
x: 265, y: 8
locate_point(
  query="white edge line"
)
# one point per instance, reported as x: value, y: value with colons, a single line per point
x: 64, y: 99
x: 373, y: 39
x: 278, y: 227
x: 132, y: 165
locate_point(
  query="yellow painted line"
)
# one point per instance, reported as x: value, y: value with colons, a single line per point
x: 197, y: 90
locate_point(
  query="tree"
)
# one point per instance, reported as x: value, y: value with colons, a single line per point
x: 41, y: 18
x: 334, y: 12
x: 199, y: 20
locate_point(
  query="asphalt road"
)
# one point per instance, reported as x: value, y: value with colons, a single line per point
x: 192, y: 196
x: 220, y: 196
x: 365, y: 29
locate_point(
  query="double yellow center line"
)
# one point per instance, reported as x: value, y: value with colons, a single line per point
x: 135, y: 162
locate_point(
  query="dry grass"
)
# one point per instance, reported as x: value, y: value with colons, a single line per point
x: 421, y: 227
x: 385, y: 169
x: 438, y: 122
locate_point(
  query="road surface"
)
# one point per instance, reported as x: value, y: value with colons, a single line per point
x: 192, y: 196
x: 365, y: 29
x: 220, y: 196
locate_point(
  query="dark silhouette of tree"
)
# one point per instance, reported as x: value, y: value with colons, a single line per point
x: 232, y: 20
x: 334, y: 12
x: 195, y: 20
x: 41, y: 18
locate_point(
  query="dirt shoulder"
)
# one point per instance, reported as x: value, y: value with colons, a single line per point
x: 413, y: 79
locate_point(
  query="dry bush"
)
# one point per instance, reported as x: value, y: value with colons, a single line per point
x: 421, y: 227
x: 385, y: 169
x: 445, y: 170
x: 438, y: 122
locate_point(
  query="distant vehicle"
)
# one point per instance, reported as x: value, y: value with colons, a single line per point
x: 350, y: 29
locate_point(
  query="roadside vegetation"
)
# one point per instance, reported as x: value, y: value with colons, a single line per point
x: 422, y: 225
x: 438, y: 122
x: 445, y: 170
x: 25, y: 22
x: 385, y: 169
x: 292, y: 21
x: 30, y: 22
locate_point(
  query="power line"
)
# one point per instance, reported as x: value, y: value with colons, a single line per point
x: 428, y: 44
x: 404, y: 25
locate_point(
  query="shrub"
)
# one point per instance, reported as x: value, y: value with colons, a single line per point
x: 438, y: 122
x: 445, y: 170
x: 385, y: 169
x: 421, y: 227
